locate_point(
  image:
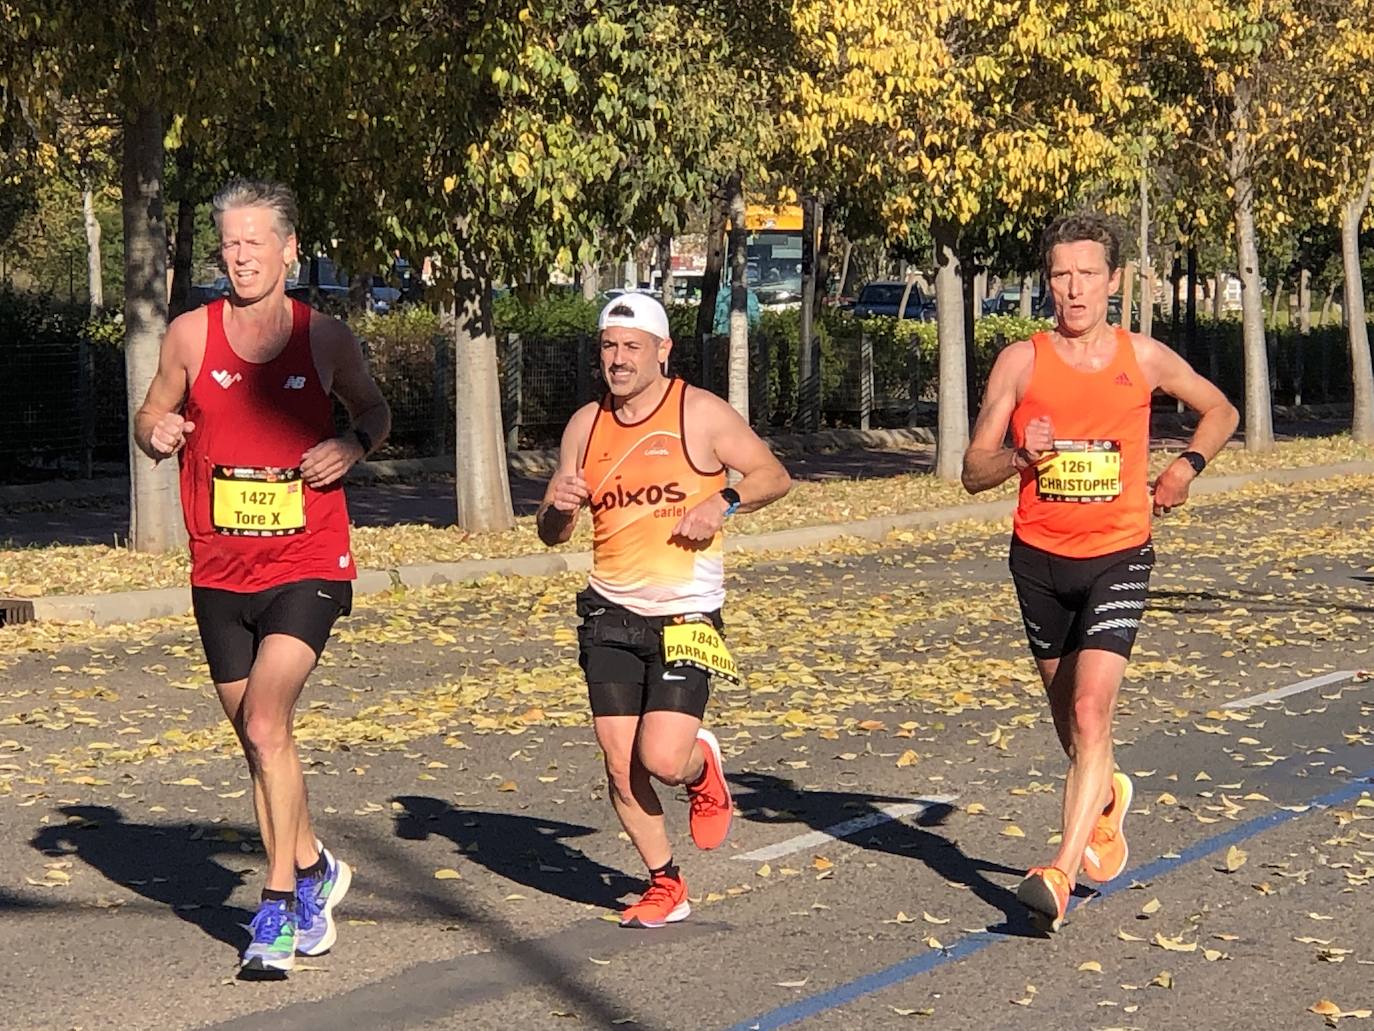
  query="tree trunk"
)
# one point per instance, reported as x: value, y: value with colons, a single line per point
x: 1259, y: 426
x: 979, y: 293
x: 481, y: 483
x: 1147, y: 285
x: 949, y: 318
x: 95, y: 280
x: 183, y: 246
x: 1026, y: 302
x: 715, y: 262
x: 1327, y: 303
x: 1357, y: 329
x: 155, y: 523
x: 906, y: 294
x: 665, y: 268
x: 739, y: 300
x: 808, y: 394
x: 1127, y: 295
x: 822, y: 276
x: 844, y: 267
x: 1218, y: 294
x: 1304, y: 338
x: 1190, y: 309
x: 591, y: 281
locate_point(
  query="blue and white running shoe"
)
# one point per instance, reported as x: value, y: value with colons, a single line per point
x: 316, y: 898
x: 274, y: 931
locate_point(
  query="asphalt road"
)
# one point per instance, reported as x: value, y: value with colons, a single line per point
x: 894, y: 773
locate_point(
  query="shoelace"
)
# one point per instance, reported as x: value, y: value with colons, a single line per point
x: 658, y: 893
x: 266, y: 925
x: 308, y: 904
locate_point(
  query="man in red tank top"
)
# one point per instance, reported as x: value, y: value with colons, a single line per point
x: 1077, y: 402
x: 243, y: 396
x: 650, y: 460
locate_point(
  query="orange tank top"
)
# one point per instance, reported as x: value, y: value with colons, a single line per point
x: 1091, y: 497
x: 642, y: 481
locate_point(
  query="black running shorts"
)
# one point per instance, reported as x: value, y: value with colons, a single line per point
x: 621, y: 654
x: 233, y: 625
x: 1070, y: 604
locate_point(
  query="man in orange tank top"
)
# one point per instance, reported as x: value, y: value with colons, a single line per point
x: 649, y: 460
x: 1077, y: 403
x: 242, y: 395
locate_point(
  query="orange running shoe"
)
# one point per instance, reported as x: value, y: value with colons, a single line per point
x: 1106, y: 854
x: 664, y: 903
x: 712, y: 808
x: 1045, y: 892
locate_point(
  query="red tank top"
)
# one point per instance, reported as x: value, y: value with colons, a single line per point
x: 252, y: 521
x: 1092, y: 496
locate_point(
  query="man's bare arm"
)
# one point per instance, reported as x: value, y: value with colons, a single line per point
x: 988, y: 461
x: 567, y: 492
x: 159, y: 429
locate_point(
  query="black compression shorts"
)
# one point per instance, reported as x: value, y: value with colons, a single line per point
x: 1069, y: 604
x: 233, y: 625
x: 621, y: 653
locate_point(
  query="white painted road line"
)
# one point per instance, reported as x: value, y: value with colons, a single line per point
x: 1292, y: 689
x: 846, y: 829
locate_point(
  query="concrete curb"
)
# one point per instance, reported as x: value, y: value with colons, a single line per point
x: 132, y: 606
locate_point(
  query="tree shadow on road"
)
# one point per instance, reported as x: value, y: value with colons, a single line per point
x: 525, y: 849
x: 160, y: 862
x: 775, y: 800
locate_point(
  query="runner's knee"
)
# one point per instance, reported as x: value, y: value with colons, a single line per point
x: 266, y: 736
x: 1092, y: 718
x: 664, y: 764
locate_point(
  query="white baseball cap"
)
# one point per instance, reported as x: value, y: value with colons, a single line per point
x: 635, y: 311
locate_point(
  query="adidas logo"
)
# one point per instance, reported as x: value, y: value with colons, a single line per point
x: 294, y: 383
x: 1122, y: 380
x: 222, y: 377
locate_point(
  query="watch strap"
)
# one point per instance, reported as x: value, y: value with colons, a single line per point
x: 1196, y: 460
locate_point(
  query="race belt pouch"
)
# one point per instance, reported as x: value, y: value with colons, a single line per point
x: 246, y: 501
x: 604, y: 623
x: 695, y: 641
x: 1080, y: 470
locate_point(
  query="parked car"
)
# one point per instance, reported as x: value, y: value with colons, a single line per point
x: 883, y: 298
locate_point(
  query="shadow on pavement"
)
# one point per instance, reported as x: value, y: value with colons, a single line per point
x: 769, y: 799
x: 159, y: 862
x: 525, y: 849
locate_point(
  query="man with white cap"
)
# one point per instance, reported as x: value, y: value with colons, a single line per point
x: 650, y: 461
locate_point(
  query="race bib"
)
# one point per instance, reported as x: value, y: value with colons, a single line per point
x: 1080, y: 470
x: 248, y: 502
x: 696, y: 642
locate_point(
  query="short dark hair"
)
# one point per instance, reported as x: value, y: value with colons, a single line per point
x: 1082, y: 225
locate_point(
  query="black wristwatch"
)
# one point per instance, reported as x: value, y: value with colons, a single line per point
x: 731, y: 497
x: 364, y: 441
x: 1195, y: 460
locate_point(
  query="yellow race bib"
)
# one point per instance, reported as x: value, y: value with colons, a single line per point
x: 696, y: 642
x: 1080, y: 470
x: 249, y: 502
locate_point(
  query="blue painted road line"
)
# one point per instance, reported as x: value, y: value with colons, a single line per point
x: 914, y: 966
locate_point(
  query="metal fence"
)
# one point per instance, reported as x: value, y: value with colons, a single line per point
x: 63, y: 410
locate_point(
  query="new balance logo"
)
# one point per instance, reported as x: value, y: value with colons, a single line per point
x: 294, y: 383
x: 222, y: 377
x: 1122, y: 380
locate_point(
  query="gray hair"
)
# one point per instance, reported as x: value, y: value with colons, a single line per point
x: 258, y: 193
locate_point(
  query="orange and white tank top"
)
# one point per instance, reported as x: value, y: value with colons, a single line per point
x: 1091, y: 496
x: 642, y: 481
